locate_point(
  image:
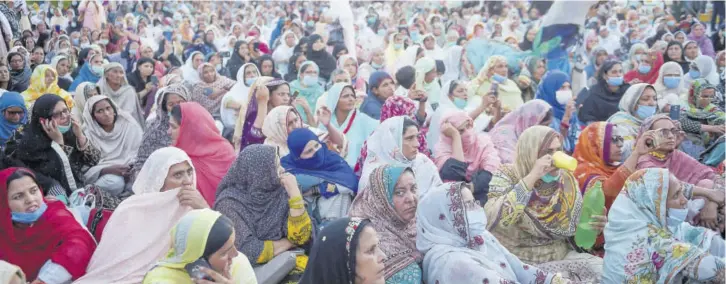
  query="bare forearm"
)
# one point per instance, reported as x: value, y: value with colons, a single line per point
x: 457, y: 149
x: 335, y: 136
x: 261, y: 114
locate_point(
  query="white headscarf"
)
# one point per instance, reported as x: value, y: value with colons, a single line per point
x: 189, y: 72
x: 663, y: 91
x: 140, y: 224
x: 117, y: 147
x: 385, y: 148
x: 453, y: 64
x: 238, y: 93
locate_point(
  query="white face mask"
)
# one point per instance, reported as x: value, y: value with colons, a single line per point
x: 677, y: 215
x: 563, y: 96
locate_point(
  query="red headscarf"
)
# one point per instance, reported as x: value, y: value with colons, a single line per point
x: 649, y: 77
x: 211, y: 154
x: 56, y: 236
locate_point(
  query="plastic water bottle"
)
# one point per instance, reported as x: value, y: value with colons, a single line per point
x: 593, y: 204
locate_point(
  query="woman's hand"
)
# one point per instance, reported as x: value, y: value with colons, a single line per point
x: 324, y: 116
x: 51, y: 129
x: 641, y: 145
x: 77, y: 129
x: 289, y: 182
x: 119, y: 170
x: 708, y: 216
x: 569, y: 110
x: 598, y: 222
x: 303, y: 103
x: 716, y: 129
x: 542, y: 166
x: 262, y: 94
x: 218, y: 278
x: 190, y: 196
x: 449, y: 130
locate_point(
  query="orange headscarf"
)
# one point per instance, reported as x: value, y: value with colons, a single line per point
x: 592, y: 153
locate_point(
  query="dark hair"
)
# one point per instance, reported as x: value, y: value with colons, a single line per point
x: 440, y: 66
x: 218, y: 236
x: 547, y: 116
x: 452, y: 87
x: 606, y: 66
x: 329, y: 260
x: 275, y: 87
x: 38, y: 47
x: 419, y: 50
x: 20, y: 173
x: 115, y: 111
x: 667, y: 58
x: 13, y: 54
x: 408, y: 122
x: 406, y: 76
x: 176, y: 113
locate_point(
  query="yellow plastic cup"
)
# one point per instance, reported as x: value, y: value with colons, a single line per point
x: 564, y: 161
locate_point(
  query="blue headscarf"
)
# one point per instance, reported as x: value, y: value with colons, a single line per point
x: 392, y: 173
x: 547, y: 90
x: 376, y: 79
x: 85, y: 75
x: 324, y: 164
x: 11, y: 99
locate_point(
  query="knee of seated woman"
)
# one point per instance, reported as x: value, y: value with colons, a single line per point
x: 113, y: 184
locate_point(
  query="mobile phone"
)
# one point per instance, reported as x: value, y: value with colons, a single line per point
x: 675, y: 112
x: 655, y: 141
x: 195, y: 271
x: 294, y: 96
x: 494, y: 90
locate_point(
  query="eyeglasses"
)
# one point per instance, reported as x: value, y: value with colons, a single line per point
x: 617, y: 139
x: 472, y: 204
x: 17, y: 112
x: 665, y: 132
x: 60, y: 114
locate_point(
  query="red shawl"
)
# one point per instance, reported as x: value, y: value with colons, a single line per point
x: 651, y: 76
x: 56, y: 236
x: 211, y: 154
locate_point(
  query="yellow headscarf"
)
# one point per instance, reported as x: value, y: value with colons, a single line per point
x: 38, y: 87
x: 188, y: 240
x: 509, y: 92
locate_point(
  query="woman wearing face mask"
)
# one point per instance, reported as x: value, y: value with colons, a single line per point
x: 702, y: 120
x: 316, y: 53
x: 555, y: 89
x: 164, y: 191
x: 156, y: 134
x: 648, y: 239
x: 702, y: 68
x: 394, y: 50
x: 232, y: 101
x: 325, y: 179
x: 118, y: 136
x: 309, y: 88
x: 457, y: 98
x: 395, y: 143
x: 535, y: 208
x: 601, y: 100
x: 40, y: 236
x: 42, y: 146
x: 648, y: 66
x: 495, y: 71
x: 463, y: 155
x: 377, y: 63
x: 267, y: 208
x: 347, y: 251
x: 390, y: 201
x: 452, y: 233
x: 203, y: 235
x: 44, y: 81
x: 638, y: 104
x: 669, y: 85
x: 91, y: 71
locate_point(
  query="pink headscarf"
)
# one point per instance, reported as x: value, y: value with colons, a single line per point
x: 479, y: 150
x: 210, y: 153
x: 684, y: 167
x: 506, y: 132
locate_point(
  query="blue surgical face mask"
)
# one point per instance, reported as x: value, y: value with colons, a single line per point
x: 415, y: 35
x: 615, y: 81
x: 671, y: 23
x: 612, y: 27
x: 132, y: 51
x: 98, y: 70
x: 459, y: 103
x: 376, y: 65
x: 499, y: 78
x: 548, y: 178
x: 371, y: 20
x: 250, y: 81
x: 645, y: 111
x: 381, y: 32
x: 29, y: 218
x: 643, y: 69
x: 397, y: 46
x: 311, y: 23
x: 64, y: 128
x: 695, y: 74
x: 671, y: 82
x: 76, y: 41
x: 677, y: 215
x: 310, y: 80
x: 477, y: 220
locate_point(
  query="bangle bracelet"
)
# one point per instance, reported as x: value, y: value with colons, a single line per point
x: 564, y: 125
x: 296, y: 202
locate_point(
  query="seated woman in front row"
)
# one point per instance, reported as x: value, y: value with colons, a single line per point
x: 327, y: 182
x: 534, y: 208
x: 266, y: 207
x: 202, y: 235
x: 465, y: 252
x: 647, y: 240
x: 40, y: 236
